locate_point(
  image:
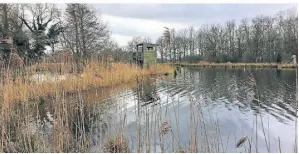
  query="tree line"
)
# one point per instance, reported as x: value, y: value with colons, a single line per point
x: 261, y: 39
x: 79, y: 28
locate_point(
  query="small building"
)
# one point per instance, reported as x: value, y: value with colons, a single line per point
x: 6, y: 44
x: 145, y: 54
x: 16, y: 61
x: 9, y: 54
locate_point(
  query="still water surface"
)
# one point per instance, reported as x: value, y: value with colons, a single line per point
x: 215, y: 106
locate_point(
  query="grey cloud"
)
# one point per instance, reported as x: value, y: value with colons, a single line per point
x: 192, y: 13
x: 189, y: 14
x: 126, y: 31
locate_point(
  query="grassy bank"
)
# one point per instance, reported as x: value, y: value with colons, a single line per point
x: 22, y: 88
x: 239, y: 65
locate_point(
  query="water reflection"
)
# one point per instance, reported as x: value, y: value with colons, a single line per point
x: 223, y: 101
x: 228, y: 94
x: 232, y: 87
x: 146, y: 91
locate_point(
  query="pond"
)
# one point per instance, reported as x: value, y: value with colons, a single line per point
x: 209, y: 109
x: 195, y: 110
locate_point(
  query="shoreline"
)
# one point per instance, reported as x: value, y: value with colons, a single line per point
x: 238, y: 65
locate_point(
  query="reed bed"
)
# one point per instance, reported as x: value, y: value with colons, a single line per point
x: 49, y: 67
x: 23, y: 88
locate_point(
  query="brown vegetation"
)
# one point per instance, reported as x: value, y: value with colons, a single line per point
x: 22, y: 88
x: 238, y: 65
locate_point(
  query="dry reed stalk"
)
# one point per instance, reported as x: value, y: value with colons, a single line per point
x: 241, y: 141
x: 117, y: 145
x: 279, y: 144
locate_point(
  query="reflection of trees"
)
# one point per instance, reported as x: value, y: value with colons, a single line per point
x: 275, y: 91
x: 146, y: 91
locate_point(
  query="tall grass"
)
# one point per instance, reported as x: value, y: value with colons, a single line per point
x: 22, y: 88
x: 24, y: 115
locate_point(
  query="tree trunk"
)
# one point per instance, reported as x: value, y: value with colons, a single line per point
x: 83, y: 36
x: 5, y: 20
x: 184, y: 52
x: 78, y: 56
x: 161, y: 53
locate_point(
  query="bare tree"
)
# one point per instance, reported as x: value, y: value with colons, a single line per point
x: 43, y: 15
x: 261, y: 39
x: 191, y: 43
x: 84, y: 32
x: 160, y: 47
x: 167, y: 38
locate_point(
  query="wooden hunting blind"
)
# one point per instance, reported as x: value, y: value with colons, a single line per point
x: 6, y: 47
x: 6, y: 43
x: 145, y: 54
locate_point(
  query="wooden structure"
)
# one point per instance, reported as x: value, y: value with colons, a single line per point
x: 145, y: 54
x: 15, y: 59
x: 6, y: 45
x: 6, y: 41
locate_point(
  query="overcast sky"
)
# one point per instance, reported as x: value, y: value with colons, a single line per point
x: 128, y: 20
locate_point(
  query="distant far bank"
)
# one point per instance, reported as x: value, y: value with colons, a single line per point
x: 239, y: 65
